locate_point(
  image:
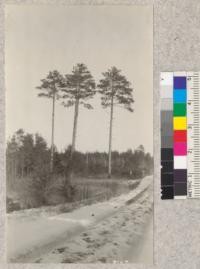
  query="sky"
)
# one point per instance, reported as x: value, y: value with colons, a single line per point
x: 41, y: 38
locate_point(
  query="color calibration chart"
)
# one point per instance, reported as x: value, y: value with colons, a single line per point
x: 180, y: 135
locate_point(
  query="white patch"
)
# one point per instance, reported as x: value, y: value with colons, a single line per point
x: 180, y: 162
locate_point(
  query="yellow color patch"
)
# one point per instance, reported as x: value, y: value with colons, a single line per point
x: 180, y: 123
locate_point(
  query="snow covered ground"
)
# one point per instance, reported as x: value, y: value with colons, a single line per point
x: 118, y: 230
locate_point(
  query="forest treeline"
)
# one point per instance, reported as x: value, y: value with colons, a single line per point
x: 29, y: 155
x: 31, y: 183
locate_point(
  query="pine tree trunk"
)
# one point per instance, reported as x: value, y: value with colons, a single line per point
x: 52, y: 134
x: 14, y: 169
x: 76, y: 110
x: 87, y: 163
x: 70, y: 167
x: 22, y: 169
x: 110, y: 141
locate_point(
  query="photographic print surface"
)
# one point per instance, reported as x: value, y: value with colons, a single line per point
x: 79, y: 132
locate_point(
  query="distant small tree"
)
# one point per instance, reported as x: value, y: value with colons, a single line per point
x: 148, y: 164
x: 50, y: 89
x: 12, y: 159
x: 41, y: 157
x: 115, y: 90
x: 78, y: 87
x: 140, y: 159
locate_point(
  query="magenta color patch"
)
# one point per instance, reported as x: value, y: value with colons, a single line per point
x: 180, y: 148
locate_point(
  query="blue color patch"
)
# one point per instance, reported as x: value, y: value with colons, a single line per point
x: 180, y: 96
x: 179, y: 82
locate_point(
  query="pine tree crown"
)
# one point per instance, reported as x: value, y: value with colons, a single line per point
x: 79, y: 85
x: 115, y: 89
x: 50, y: 86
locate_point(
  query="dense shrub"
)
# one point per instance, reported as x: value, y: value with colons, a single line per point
x: 31, y: 192
x: 12, y: 205
x: 58, y: 190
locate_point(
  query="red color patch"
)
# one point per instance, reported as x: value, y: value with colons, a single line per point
x: 180, y: 136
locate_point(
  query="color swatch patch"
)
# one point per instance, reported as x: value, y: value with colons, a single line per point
x: 180, y: 148
x: 180, y: 123
x: 180, y: 109
x: 180, y: 135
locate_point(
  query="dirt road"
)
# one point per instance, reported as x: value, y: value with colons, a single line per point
x: 103, y: 232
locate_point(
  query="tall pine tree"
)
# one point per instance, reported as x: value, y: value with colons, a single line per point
x: 115, y: 90
x: 78, y: 87
x: 50, y: 89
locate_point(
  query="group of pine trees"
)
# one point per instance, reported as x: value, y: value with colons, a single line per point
x: 32, y: 166
x: 77, y: 89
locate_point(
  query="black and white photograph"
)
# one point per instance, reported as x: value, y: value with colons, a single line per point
x: 79, y: 133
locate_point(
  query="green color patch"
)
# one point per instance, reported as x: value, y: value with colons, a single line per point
x: 179, y: 109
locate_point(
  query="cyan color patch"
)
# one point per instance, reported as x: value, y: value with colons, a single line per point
x: 180, y: 96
